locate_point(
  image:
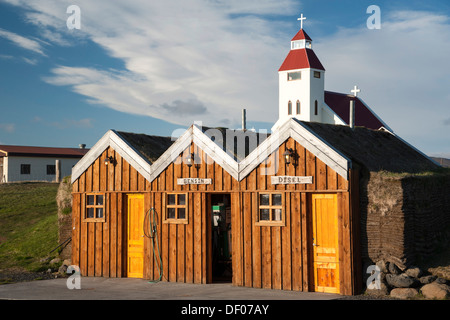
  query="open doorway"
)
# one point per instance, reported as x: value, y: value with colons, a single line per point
x: 220, y: 211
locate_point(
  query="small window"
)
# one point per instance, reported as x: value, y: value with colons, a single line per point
x: 51, y: 169
x: 289, y: 108
x: 317, y: 74
x: 292, y: 76
x: 95, y: 207
x: 316, y: 108
x: 298, y: 107
x: 270, y: 209
x: 25, y: 169
x: 176, y: 208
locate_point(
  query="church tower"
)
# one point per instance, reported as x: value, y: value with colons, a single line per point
x: 301, y: 83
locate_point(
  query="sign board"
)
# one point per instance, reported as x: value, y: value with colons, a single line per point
x: 185, y: 181
x: 291, y: 180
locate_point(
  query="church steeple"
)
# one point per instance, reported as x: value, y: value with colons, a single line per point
x: 301, y: 82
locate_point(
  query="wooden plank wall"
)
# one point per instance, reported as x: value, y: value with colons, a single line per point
x: 263, y: 257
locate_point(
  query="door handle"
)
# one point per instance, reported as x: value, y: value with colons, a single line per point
x: 314, y: 244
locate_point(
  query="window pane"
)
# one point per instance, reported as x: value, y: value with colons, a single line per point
x: 51, y: 169
x: 264, y: 214
x: 171, y: 213
x: 276, y: 214
x: 294, y: 76
x: 181, y: 213
x: 181, y: 199
x: 264, y: 199
x: 25, y: 168
x: 99, y: 213
x: 100, y: 200
x: 171, y: 199
x: 276, y: 199
x: 90, y: 213
x: 90, y: 200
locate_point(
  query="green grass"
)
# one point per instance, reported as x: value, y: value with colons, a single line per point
x: 28, y: 224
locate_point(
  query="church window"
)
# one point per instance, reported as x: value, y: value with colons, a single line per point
x: 316, y: 108
x: 298, y: 107
x: 289, y: 108
x: 317, y: 74
x: 294, y: 76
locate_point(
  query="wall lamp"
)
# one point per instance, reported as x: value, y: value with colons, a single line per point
x: 190, y: 160
x: 109, y: 160
x: 289, y: 156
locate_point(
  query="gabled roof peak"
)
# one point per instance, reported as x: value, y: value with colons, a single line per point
x: 301, y: 35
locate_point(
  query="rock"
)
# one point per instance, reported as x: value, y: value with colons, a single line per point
x: 55, y: 261
x: 427, y: 279
x: 393, y: 268
x: 435, y: 290
x: 401, y: 281
x: 404, y: 293
x: 63, y: 269
x: 441, y: 280
x: 414, y: 272
x: 383, y: 291
x: 383, y: 265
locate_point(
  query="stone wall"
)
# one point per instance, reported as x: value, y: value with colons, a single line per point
x: 404, y: 218
x: 64, y: 202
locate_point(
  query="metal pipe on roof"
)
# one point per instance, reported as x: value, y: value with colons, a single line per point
x: 352, y: 114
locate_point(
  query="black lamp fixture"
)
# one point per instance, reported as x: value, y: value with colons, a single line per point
x: 288, y: 156
x: 109, y: 160
x: 190, y: 160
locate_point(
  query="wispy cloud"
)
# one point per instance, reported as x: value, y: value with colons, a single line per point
x: 71, y: 123
x: 7, y: 127
x: 22, y: 42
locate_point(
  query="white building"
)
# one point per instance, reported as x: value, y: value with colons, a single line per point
x: 302, y: 92
x: 22, y: 163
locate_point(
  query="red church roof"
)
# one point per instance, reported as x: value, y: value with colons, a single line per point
x: 301, y: 35
x: 301, y: 59
x: 364, y: 117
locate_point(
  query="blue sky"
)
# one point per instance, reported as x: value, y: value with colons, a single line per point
x: 156, y: 67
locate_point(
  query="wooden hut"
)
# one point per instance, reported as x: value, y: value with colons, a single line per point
x: 277, y: 211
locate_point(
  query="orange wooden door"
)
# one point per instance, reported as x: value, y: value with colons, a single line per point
x: 135, y: 253
x: 325, y: 243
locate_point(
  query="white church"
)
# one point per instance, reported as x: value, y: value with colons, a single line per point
x: 302, y: 92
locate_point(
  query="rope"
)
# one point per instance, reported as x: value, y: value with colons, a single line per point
x: 153, y: 235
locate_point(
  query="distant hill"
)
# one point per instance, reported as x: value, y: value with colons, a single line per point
x: 442, y: 161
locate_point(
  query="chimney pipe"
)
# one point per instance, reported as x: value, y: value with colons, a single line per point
x: 352, y: 114
x: 244, y: 119
x: 82, y: 146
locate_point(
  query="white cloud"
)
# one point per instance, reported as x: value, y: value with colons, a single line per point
x: 7, y: 127
x: 22, y: 42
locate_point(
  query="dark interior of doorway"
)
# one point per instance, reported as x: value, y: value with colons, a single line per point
x: 221, y: 237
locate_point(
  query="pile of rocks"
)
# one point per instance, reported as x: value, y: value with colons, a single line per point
x: 408, y: 283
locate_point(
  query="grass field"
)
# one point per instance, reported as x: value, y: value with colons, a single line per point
x: 28, y: 224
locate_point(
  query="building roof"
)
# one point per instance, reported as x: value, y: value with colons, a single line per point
x: 236, y: 143
x: 26, y: 151
x: 376, y: 150
x: 150, y: 147
x: 301, y: 59
x: 301, y: 35
x: 364, y: 116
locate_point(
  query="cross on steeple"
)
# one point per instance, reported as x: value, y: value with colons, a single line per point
x: 301, y: 21
x: 355, y: 91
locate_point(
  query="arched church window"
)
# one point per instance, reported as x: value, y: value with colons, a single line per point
x: 298, y: 107
x: 289, y: 108
x: 316, y: 108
